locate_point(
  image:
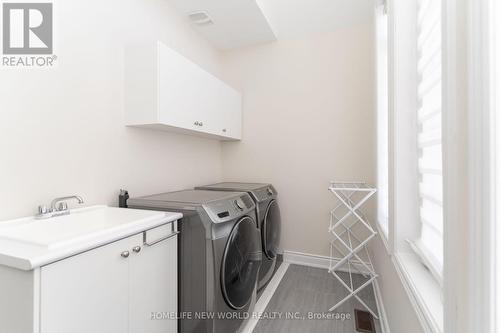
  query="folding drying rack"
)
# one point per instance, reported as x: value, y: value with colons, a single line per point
x: 351, y: 233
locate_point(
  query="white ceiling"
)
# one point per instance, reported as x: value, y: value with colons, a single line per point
x: 239, y: 23
x: 293, y: 18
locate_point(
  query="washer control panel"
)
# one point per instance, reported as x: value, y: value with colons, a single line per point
x: 231, y: 208
x: 239, y: 204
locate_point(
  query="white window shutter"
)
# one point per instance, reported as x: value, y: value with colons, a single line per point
x: 430, y: 243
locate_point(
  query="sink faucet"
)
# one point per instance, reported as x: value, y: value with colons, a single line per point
x: 62, y: 204
x: 58, y: 207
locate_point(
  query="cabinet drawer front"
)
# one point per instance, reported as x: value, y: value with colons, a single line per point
x: 159, y: 234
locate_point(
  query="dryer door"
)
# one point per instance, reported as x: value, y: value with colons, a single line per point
x: 271, y: 229
x: 240, y: 264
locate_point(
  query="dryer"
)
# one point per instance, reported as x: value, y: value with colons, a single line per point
x: 265, y: 197
x: 219, y: 257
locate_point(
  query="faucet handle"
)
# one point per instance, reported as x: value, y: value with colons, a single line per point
x: 62, y: 206
x: 42, y: 209
x: 43, y: 212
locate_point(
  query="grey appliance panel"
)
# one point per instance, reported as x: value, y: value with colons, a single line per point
x: 220, y: 206
x: 235, y: 186
x: 189, y: 196
x: 258, y: 191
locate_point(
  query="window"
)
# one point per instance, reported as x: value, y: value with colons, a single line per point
x: 429, y: 244
x: 382, y: 119
x: 415, y: 141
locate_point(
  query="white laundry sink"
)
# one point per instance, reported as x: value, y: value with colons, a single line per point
x: 76, y: 227
x: 29, y: 242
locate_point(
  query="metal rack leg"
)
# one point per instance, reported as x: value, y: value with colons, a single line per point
x: 354, y: 293
x: 345, y: 193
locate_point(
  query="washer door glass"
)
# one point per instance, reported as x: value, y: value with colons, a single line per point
x: 271, y: 229
x: 240, y: 264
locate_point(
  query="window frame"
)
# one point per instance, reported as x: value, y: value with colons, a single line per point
x: 383, y: 227
x: 495, y: 104
x: 482, y: 177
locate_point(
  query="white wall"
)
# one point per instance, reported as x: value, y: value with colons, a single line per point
x: 61, y: 130
x: 308, y: 119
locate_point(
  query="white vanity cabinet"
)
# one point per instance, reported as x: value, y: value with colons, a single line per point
x: 153, y: 281
x: 166, y: 91
x: 114, y: 288
x: 88, y: 292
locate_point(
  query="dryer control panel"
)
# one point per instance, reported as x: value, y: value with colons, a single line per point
x: 265, y: 193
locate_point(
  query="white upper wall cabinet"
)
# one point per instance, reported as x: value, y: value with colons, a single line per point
x: 166, y: 91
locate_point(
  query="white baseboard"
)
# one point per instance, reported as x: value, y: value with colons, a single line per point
x: 306, y: 259
x: 318, y: 261
x: 381, y: 308
x: 314, y: 260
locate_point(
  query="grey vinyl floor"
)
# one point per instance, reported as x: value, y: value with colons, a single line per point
x: 305, y: 292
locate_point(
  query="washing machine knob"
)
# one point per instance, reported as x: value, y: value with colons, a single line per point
x: 239, y: 204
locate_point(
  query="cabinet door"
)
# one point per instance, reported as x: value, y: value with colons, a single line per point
x: 225, y: 113
x: 191, y: 98
x: 88, y: 292
x: 153, y: 283
x: 231, y: 110
x: 180, y: 93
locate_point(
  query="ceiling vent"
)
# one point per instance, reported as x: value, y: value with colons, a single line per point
x: 200, y: 18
